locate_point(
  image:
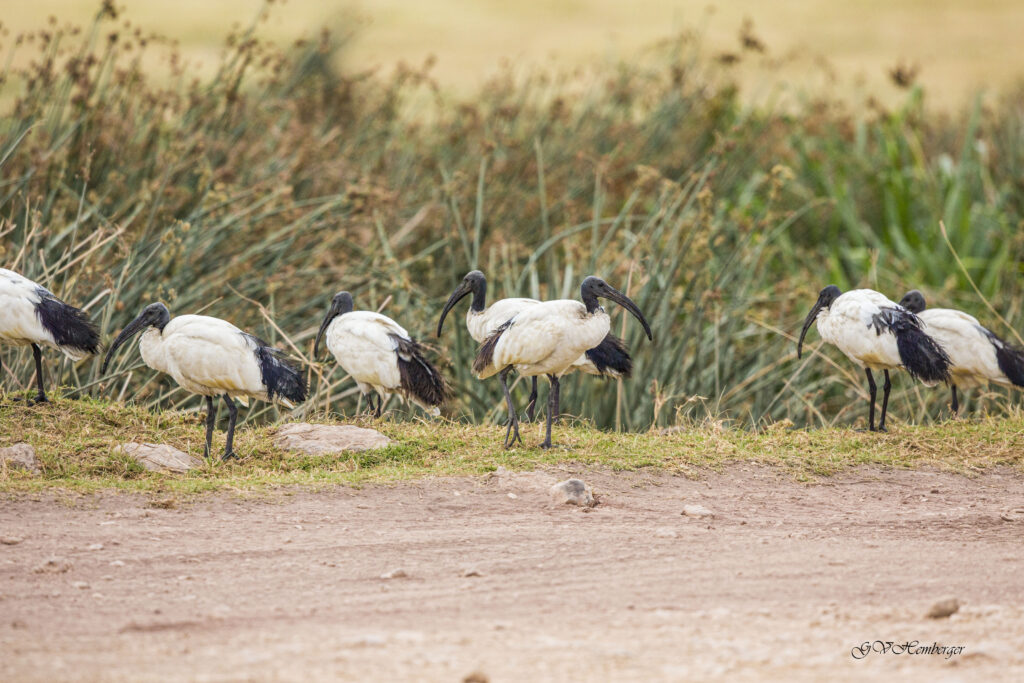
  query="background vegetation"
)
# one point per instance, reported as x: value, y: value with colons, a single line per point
x: 256, y: 193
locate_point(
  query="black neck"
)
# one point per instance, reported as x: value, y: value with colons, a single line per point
x: 590, y: 301
x: 479, y: 296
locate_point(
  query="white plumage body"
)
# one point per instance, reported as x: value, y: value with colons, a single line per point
x: 549, y: 338
x: 206, y: 356
x: 20, y: 324
x: 847, y: 323
x: 971, y: 352
x: 482, y: 324
x: 362, y: 344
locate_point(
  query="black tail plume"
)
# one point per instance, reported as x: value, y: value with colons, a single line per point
x: 1010, y: 359
x: 420, y: 379
x: 611, y: 357
x: 282, y: 376
x: 921, y: 355
x: 485, y: 356
x: 70, y: 326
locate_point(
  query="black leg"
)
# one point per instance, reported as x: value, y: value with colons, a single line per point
x: 874, y: 393
x: 229, y: 451
x: 211, y: 420
x: 552, y: 398
x: 512, y: 433
x: 956, y: 404
x: 380, y: 406
x: 558, y: 400
x: 885, y: 401
x: 41, y: 396
x: 531, y: 403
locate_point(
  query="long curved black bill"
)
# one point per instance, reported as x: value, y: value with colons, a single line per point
x: 129, y: 331
x: 460, y: 291
x: 627, y: 303
x: 331, y: 315
x: 811, y: 317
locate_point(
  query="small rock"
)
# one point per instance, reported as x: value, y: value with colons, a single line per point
x: 53, y: 565
x: 395, y: 574
x: 476, y: 677
x: 697, y: 511
x: 471, y: 572
x: 1012, y: 515
x: 80, y: 585
x: 95, y: 546
x: 944, y: 608
x: 11, y: 540
x: 572, y: 492
x: 117, y: 563
x: 20, y: 456
x: 665, y: 532
x: 157, y: 457
x: 512, y: 496
x: 313, y: 439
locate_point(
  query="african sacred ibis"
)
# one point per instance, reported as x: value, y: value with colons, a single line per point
x: 977, y: 355
x: 211, y: 357
x: 876, y: 334
x: 31, y: 315
x: 380, y: 356
x: 610, y: 358
x: 548, y: 339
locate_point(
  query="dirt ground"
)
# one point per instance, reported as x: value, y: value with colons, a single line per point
x: 782, y: 583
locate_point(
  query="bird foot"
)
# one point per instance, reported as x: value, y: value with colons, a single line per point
x: 31, y: 400
x: 229, y: 456
x: 513, y: 432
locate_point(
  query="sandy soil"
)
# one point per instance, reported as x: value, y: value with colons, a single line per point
x: 781, y: 583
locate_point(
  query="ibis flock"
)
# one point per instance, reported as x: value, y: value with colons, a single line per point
x: 214, y: 359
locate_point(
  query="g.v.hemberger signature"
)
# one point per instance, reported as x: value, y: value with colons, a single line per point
x: 911, y: 647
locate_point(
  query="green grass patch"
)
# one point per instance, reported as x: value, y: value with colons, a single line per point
x: 75, y: 442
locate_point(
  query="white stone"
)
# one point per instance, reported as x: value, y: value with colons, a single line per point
x: 572, y: 492
x: 20, y: 456
x: 697, y: 511
x: 314, y: 439
x: 157, y: 457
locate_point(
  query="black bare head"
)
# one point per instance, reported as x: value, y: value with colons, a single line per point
x: 474, y: 283
x: 825, y: 299
x: 913, y: 301
x: 154, y: 315
x: 594, y: 287
x: 340, y: 305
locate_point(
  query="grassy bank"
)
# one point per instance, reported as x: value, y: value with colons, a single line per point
x: 74, y: 441
x: 256, y: 193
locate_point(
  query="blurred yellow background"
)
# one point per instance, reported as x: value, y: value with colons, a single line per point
x: 960, y: 46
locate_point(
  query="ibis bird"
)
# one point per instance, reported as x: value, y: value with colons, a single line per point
x: 548, y: 339
x: 609, y: 358
x: 211, y: 357
x: 876, y: 334
x: 977, y: 355
x: 30, y: 315
x: 380, y: 356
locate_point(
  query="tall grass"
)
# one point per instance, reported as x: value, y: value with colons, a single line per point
x: 256, y: 194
